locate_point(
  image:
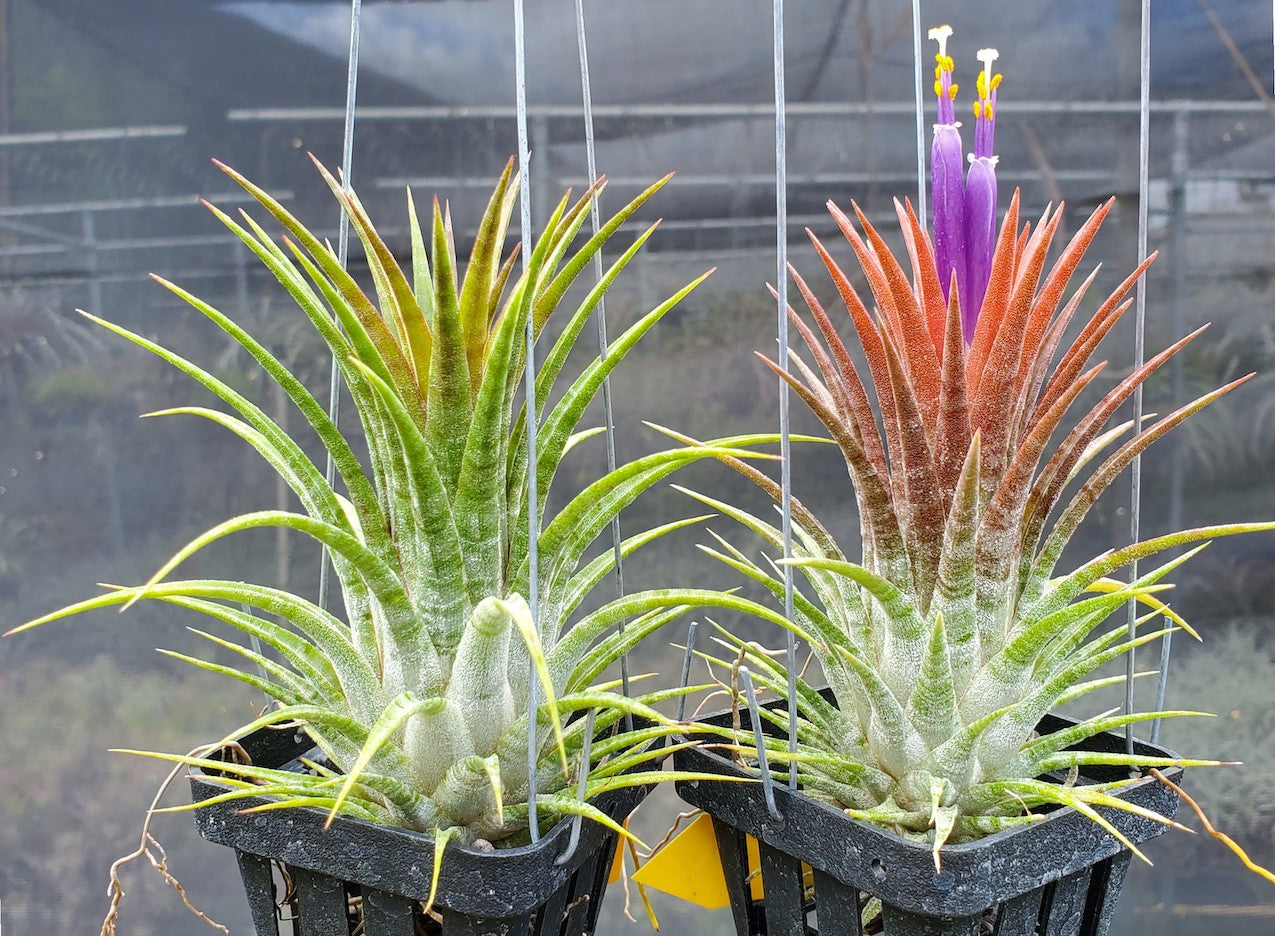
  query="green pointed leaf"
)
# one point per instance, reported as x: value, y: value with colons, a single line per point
x: 386, y: 350
x: 347, y: 463
x: 395, y: 292
x: 422, y: 278
x: 553, y: 294
x: 442, y: 583
x: 475, y: 302
x: 274, y: 690
x: 450, y: 404
x: 932, y: 706
x: 441, y: 838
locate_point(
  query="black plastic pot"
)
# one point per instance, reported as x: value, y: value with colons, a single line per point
x: 304, y: 880
x: 1058, y: 877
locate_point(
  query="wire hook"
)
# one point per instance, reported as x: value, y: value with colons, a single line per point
x: 686, y: 669
x: 574, y: 841
x: 763, y: 765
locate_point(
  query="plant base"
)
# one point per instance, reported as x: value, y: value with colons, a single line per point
x: 358, y: 877
x: 819, y: 869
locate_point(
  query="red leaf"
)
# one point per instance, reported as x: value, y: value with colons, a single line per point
x: 859, y: 404
x: 1090, y: 336
x: 913, y: 341
x: 868, y: 338
x: 954, y: 414
x: 996, y: 301
x: 1053, y: 478
x: 922, y: 507
x: 926, y: 275
x: 876, y: 502
x: 1111, y: 468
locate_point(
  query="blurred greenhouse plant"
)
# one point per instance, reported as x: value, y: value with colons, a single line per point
x: 50, y: 835
x: 1231, y: 677
x: 36, y: 342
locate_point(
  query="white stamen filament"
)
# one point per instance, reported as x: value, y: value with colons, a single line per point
x: 940, y: 35
x: 987, y: 56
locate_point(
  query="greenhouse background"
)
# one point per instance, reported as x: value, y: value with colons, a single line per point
x: 111, y: 110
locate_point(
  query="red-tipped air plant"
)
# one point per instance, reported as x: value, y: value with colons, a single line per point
x: 951, y: 638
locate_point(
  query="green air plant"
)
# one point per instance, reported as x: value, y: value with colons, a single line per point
x: 418, y: 697
x: 952, y: 636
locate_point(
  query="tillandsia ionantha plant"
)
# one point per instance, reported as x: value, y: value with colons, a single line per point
x: 419, y: 697
x: 947, y: 642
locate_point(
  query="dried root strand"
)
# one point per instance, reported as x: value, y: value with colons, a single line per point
x: 624, y: 884
x: 150, y: 848
x: 672, y: 829
x: 1208, y: 827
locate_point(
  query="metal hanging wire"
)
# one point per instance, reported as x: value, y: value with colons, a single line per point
x: 600, y: 317
x: 920, y: 110
x: 688, y: 655
x: 781, y: 288
x: 1139, y: 348
x: 343, y: 254
x: 533, y: 415
x: 759, y: 739
x: 583, y: 784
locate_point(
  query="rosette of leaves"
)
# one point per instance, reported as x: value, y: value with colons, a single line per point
x: 953, y: 634
x: 418, y: 698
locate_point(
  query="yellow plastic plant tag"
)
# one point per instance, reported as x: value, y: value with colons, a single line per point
x: 617, y: 863
x: 689, y: 867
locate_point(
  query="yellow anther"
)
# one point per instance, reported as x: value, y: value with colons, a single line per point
x: 938, y: 72
x: 951, y: 92
x: 991, y: 112
x: 938, y: 89
x: 977, y: 110
x: 986, y: 83
x: 996, y: 82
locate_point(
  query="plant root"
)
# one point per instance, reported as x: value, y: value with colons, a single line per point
x: 150, y: 848
x: 668, y: 836
x: 628, y: 894
x: 1208, y: 827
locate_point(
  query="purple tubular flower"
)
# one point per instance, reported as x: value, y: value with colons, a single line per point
x: 980, y: 199
x: 980, y: 239
x: 947, y: 192
x: 947, y: 167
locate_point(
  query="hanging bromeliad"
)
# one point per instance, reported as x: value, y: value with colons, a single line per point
x: 947, y: 642
x: 419, y: 696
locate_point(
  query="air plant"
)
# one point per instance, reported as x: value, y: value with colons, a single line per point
x: 418, y: 698
x: 947, y: 642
